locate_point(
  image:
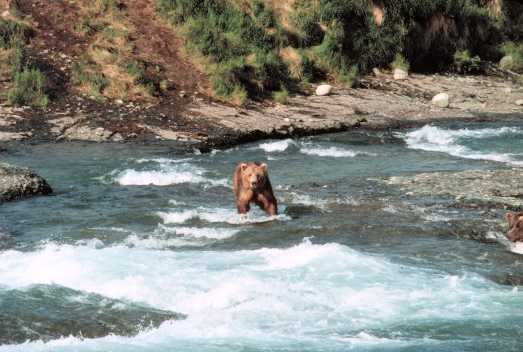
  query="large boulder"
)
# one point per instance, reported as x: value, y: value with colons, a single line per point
x: 441, y: 100
x: 17, y: 182
x: 324, y: 89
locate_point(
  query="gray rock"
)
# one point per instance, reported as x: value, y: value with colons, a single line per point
x: 17, y: 183
x: 400, y: 74
x: 441, y: 100
x: 495, y: 188
x: 324, y: 89
x: 87, y: 133
x: 519, y: 102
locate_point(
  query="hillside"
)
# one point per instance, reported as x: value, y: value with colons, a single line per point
x: 136, y: 63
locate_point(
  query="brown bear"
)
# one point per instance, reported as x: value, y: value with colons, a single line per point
x: 251, y: 184
x: 515, y: 227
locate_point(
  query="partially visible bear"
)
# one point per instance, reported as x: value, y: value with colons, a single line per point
x: 251, y: 184
x: 515, y: 227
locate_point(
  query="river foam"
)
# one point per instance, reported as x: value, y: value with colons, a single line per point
x: 218, y: 215
x: 308, y: 148
x: 164, y: 172
x: 320, y: 296
x: 437, y: 139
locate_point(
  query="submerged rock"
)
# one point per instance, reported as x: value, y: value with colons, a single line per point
x: 17, y: 182
x: 479, y: 188
x: 44, y: 312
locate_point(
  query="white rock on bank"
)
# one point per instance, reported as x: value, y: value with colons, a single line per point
x: 519, y: 102
x: 400, y: 74
x: 441, y: 100
x: 324, y: 89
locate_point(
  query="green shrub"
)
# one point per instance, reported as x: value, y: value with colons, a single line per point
x: 350, y: 77
x: 28, y: 89
x: 465, y: 63
x: 239, y: 51
x: 18, y: 58
x: 229, y: 76
x: 515, y: 51
x: 281, y: 96
x: 428, y: 32
x: 400, y: 62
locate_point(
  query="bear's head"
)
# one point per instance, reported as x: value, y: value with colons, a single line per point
x: 254, y: 175
x: 515, y: 227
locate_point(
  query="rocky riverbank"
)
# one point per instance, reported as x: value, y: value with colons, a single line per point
x: 380, y: 102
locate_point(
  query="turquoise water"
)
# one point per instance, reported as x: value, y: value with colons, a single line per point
x: 351, y: 263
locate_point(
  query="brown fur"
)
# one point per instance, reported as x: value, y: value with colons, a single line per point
x: 515, y: 227
x: 251, y: 184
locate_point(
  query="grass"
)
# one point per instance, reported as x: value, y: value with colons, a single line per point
x: 28, y: 89
x: 281, y: 96
x: 108, y: 69
x: 12, y: 32
x: 84, y: 75
x: 239, y: 51
x: 400, y: 63
x: 28, y: 83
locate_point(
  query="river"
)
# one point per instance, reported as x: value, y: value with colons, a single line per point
x: 141, y: 249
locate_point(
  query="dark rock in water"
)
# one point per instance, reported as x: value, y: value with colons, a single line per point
x: 17, y: 182
x: 44, y: 312
x: 297, y: 211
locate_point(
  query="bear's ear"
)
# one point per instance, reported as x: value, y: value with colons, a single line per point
x: 243, y: 166
x: 264, y: 167
x: 511, y: 217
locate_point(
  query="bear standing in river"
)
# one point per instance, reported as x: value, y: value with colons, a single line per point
x: 251, y: 184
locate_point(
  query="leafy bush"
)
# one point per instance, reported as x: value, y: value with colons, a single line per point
x: 515, y: 51
x: 465, y: 63
x: 281, y: 96
x: 350, y: 77
x: 238, y: 50
x: 28, y: 89
x: 400, y: 62
x: 428, y: 32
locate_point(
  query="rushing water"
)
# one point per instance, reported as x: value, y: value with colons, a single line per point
x: 351, y: 263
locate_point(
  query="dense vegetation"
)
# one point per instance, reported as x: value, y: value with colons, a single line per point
x: 239, y: 46
x: 28, y: 82
x: 241, y: 42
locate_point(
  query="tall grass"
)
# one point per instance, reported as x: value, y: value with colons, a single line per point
x: 28, y: 83
x: 28, y: 88
x: 239, y: 49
